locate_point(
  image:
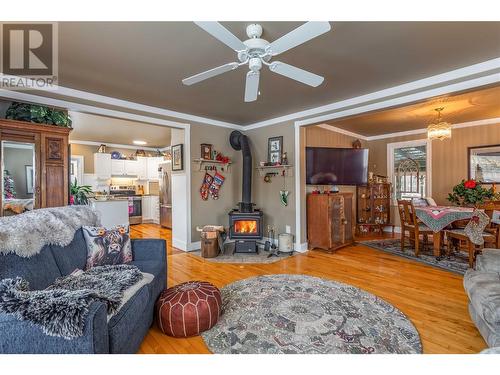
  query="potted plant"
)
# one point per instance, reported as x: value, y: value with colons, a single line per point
x: 79, y: 193
x: 38, y: 114
x: 469, y: 193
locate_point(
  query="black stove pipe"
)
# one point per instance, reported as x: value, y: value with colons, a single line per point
x: 239, y: 141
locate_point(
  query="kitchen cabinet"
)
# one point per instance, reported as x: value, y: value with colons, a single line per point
x: 153, y: 163
x: 151, y: 209
x: 117, y: 167
x: 142, y: 167
x: 131, y: 167
x: 124, y: 167
x: 102, y: 166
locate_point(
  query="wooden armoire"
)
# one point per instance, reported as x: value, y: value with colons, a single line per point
x: 329, y: 220
x: 51, y: 176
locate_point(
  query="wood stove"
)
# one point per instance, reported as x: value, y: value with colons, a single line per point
x: 245, y: 222
x: 245, y: 229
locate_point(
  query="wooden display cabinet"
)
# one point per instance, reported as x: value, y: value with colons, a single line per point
x: 329, y: 221
x: 373, y: 208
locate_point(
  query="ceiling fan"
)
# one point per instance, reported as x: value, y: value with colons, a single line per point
x: 256, y: 52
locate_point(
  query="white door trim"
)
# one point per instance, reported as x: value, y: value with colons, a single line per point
x: 428, y: 162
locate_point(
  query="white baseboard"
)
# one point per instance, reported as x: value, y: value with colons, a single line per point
x: 301, y: 247
x: 193, y: 246
x: 178, y: 244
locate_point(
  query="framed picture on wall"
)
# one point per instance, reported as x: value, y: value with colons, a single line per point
x: 484, y: 163
x: 206, y: 151
x: 274, y: 149
x: 177, y: 157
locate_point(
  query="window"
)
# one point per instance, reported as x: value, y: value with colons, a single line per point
x: 409, y: 169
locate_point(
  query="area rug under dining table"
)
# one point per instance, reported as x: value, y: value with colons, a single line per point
x: 456, y: 262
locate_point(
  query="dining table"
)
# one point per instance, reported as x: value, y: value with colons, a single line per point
x: 438, y: 218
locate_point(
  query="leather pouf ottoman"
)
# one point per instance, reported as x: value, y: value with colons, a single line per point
x: 188, y: 309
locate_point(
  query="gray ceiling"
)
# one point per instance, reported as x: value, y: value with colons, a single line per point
x: 145, y: 62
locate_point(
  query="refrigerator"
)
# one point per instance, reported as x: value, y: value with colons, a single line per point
x: 165, y: 174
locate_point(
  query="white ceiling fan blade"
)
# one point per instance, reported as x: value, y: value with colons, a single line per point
x: 297, y: 74
x: 224, y: 35
x: 209, y: 73
x: 252, y: 86
x: 301, y: 34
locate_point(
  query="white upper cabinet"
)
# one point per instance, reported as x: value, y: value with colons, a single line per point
x: 144, y: 168
x: 153, y: 164
x: 118, y: 167
x: 131, y: 168
x: 142, y: 165
x: 102, y: 166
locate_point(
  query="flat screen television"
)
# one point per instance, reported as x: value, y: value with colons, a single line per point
x: 336, y: 166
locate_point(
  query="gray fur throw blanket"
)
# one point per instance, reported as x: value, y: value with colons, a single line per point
x: 61, y: 309
x: 26, y: 234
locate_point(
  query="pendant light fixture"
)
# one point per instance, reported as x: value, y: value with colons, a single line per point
x: 439, y: 129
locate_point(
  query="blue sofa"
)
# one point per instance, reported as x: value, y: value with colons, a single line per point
x: 122, y: 334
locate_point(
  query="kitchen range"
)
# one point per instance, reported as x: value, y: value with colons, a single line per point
x: 128, y: 193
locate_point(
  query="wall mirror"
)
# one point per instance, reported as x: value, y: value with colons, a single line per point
x: 484, y: 164
x: 18, y: 177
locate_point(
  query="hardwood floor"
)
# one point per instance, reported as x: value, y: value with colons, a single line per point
x: 433, y: 299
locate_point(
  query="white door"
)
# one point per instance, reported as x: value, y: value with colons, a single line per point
x: 409, y: 169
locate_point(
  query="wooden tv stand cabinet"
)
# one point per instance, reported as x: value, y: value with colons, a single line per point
x: 329, y: 221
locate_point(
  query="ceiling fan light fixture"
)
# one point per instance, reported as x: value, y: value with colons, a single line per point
x: 439, y: 129
x: 256, y: 52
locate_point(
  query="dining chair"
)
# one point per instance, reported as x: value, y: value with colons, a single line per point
x: 411, y: 225
x: 487, y: 235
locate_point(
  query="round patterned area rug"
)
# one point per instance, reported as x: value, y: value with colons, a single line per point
x: 303, y: 314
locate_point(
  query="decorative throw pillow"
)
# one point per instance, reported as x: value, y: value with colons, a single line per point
x: 107, y: 245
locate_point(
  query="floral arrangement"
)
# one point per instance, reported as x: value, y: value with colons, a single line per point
x: 469, y: 193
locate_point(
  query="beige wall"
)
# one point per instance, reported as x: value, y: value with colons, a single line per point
x: 213, y: 211
x: 88, y: 154
x: 267, y: 195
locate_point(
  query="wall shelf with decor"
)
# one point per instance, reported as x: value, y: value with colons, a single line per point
x: 225, y: 167
x: 278, y: 169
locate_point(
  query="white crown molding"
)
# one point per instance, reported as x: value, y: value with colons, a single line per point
x: 457, y: 74
x: 488, y: 121
x: 102, y: 99
x: 342, y: 131
x: 115, y: 145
